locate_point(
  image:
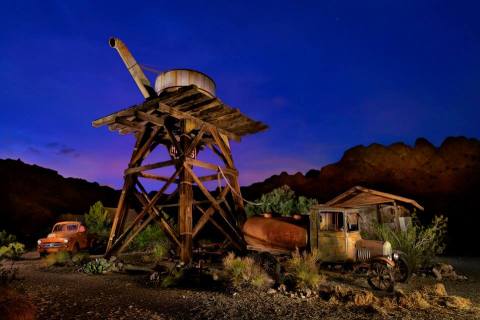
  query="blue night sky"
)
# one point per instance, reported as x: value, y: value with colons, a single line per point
x: 324, y: 75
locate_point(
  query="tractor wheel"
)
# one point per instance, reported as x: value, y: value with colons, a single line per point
x: 381, y: 276
x: 402, y: 269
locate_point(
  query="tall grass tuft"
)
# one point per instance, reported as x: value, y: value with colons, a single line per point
x: 245, y: 273
x: 304, y: 268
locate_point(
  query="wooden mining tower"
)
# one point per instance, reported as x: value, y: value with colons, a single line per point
x: 183, y: 115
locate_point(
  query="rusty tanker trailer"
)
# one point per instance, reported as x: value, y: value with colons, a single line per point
x: 334, y: 234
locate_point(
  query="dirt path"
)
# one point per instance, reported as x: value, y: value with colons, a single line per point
x: 63, y: 294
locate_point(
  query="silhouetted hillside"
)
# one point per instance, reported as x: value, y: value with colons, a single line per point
x: 445, y: 180
x: 31, y: 197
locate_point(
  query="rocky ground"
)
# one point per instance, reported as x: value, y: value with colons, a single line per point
x: 62, y: 293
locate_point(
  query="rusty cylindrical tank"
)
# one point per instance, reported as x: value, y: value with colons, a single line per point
x: 275, y: 233
x: 185, y: 77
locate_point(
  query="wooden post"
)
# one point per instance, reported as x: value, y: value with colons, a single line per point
x: 186, y: 201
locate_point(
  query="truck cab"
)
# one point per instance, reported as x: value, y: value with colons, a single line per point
x: 70, y: 236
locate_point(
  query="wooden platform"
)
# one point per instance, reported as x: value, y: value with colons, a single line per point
x: 184, y: 103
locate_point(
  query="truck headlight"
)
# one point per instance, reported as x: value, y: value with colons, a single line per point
x: 395, y: 256
x: 65, y: 240
x: 39, y: 241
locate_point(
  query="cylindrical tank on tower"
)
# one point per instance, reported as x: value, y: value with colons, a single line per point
x: 184, y: 77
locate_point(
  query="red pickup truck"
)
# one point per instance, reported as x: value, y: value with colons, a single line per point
x: 70, y: 236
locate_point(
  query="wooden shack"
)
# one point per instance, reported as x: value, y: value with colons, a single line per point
x: 377, y: 207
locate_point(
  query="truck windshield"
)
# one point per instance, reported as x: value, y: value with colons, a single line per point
x: 65, y: 228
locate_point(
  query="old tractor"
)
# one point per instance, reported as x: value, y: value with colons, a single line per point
x: 334, y: 233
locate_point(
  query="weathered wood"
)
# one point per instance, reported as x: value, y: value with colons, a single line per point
x: 162, y: 107
x: 152, y: 166
x: 185, y: 217
x: 158, y: 121
x: 169, y: 231
x: 210, y: 211
x: 152, y: 176
x: 128, y: 183
x: 214, y: 202
x: 195, y: 141
x: 223, y: 148
x: 235, y: 243
x: 129, y: 124
x: 206, y: 165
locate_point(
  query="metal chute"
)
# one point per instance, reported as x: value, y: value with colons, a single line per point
x: 133, y: 67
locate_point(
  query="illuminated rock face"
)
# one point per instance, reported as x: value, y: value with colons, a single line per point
x: 445, y: 180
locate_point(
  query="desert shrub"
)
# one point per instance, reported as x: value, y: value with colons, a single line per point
x: 12, y: 250
x: 281, y: 200
x: 174, y: 276
x: 6, y: 238
x: 60, y: 258
x: 420, y: 243
x: 97, y: 266
x: 97, y: 221
x: 149, y: 238
x: 245, y: 273
x: 80, y: 258
x: 304, y: 269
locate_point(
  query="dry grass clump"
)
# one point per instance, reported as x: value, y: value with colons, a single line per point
x: 414, y: 300
x: 60, y: 258
x: 244, y: 272
x: 304, y: 268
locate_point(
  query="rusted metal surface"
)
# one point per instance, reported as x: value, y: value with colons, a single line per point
x: 275, y: 233
x: 138, y: 76
x: 373, y: 248
x: 185, y: 77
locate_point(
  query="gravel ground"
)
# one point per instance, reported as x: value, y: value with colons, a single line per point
x: 60, y: 293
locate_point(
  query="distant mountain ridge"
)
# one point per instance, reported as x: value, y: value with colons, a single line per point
x: 444, y: 179
x: 31, y: 197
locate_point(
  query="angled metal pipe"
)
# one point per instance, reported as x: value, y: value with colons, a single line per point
x: 136, y: 72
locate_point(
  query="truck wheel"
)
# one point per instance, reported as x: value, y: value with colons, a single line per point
x: 75, y: 249
x: 381, y: 277
x: 402, y: 269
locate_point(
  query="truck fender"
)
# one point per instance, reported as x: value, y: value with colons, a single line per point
x: 384, y: 260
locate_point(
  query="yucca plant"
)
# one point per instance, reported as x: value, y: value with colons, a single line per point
x: 420, y: 244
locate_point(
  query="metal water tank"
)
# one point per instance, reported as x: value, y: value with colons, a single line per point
x: 185, y: 77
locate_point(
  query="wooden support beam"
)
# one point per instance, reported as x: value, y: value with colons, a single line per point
x: 169, y: 231
x: 130, y: 124
x: 152, y: 166
x: 210, y: 211
x: 158, y: 121
x: 162, y: 107
x: 153, y: 176
x: 222, y: 231
x: 206, y: 165
x: 196, y: 140
x: 223, y: 148
x: 214, y: 202
x: 185, y: 217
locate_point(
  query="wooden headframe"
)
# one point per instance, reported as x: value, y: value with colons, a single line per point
x: 185, y: 121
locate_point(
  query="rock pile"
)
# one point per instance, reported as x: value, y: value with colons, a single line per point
x: 443, y: 271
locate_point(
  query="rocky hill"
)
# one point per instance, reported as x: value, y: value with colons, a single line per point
x: 31, y: 197
x: 444, y: 179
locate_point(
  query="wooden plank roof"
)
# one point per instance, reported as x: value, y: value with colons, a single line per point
x: 360, y: 196
x: 183, y: 103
